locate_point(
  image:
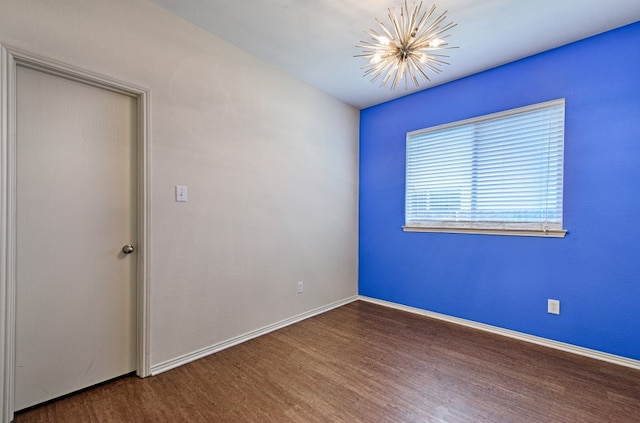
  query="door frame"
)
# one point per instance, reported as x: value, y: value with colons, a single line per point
x: 10, y: 59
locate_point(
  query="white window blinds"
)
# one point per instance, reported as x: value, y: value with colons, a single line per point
x: 500, y: 172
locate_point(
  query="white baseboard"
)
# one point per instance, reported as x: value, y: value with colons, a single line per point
x: 586, y: 352
x: 187, y: 358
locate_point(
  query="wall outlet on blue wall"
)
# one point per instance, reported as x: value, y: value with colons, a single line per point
x: 553, y: 306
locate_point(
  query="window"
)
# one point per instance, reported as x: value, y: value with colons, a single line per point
x: 500, y: 173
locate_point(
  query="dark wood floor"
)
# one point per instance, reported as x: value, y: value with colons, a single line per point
x: 366, y: 363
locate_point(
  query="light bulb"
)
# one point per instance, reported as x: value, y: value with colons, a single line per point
x: 383, y: 40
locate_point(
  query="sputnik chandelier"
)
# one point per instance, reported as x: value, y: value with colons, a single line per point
x: 412, y: 45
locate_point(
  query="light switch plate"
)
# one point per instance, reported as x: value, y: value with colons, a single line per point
x: 181, y: 193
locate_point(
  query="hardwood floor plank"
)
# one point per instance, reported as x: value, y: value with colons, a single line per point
x: 367, y: 363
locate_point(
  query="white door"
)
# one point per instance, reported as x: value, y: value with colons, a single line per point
x: 75, y: 210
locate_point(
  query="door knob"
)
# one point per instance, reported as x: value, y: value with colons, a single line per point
x: 128, y: 249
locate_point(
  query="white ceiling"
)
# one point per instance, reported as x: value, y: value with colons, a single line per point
x: 315, y: 40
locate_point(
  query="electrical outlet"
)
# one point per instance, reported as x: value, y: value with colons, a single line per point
x: 553, y: 306
x: 300, y: 288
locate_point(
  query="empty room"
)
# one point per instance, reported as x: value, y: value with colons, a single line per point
x: 327, y: 211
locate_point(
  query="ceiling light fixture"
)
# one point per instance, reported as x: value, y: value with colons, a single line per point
x: 411, y: 45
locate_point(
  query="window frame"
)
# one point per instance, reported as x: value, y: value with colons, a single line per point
x: 502, y: 227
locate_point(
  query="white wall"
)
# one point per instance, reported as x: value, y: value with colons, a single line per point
x: 270, y: 162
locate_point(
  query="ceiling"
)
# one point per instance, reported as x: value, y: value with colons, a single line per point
x: 315, y: 40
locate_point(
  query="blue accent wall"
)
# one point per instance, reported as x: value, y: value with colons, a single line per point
x: 505, y: 281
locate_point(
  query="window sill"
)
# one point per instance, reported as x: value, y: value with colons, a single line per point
x: 556, y: 233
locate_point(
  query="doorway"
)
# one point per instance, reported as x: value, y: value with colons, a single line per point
x: 74, y: 196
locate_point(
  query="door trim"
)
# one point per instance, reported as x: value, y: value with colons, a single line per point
x: 10, y: 59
